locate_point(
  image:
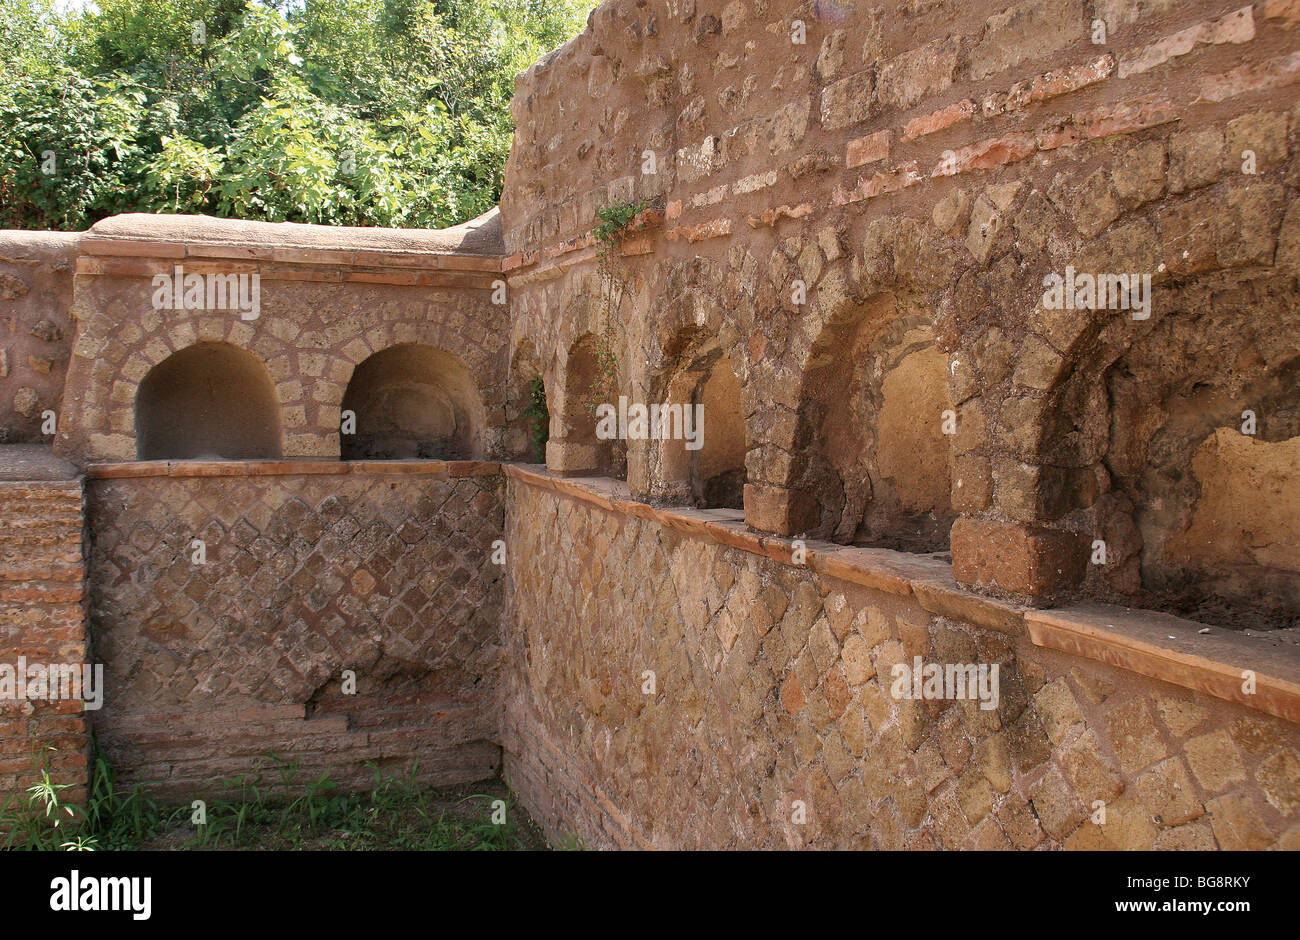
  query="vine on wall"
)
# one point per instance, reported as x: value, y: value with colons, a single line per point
x: 617, y: 222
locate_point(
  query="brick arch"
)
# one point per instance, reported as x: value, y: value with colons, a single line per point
x: 564, y: 347
x: 112, y: 357
x: 580, y: 302
x: 439, y: 335
x: 582, y: 308
x: 695, y: 379
x: 1065, y: 351
x: 484, y: 359
x: 574, y: 447
x: 525, y: 367
x: 798, y: 306
x: 531, y: 346
x: 1136, y: 432
x: 698, y: 299
x: 1061, y: 410
x: 796, y: 309
x: 699, y: 310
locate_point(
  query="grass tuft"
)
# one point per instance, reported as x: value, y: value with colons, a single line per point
x: 270, y: 808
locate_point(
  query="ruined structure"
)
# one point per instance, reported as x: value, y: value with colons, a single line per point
x: 991, y: 312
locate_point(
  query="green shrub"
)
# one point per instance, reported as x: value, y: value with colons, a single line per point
x: 258, y: 121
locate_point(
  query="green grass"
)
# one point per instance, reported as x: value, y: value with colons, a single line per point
x: 270, y: 808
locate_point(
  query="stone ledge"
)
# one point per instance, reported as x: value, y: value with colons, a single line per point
x: 1148, y: 643
x: 553, y: 269
x: 1162, y: 646
x: 475, y: 245
x: 118, y: 247
x: 254, y: 468
x: 33, y: 462
x: 940, y: 594
x: 868, y: 567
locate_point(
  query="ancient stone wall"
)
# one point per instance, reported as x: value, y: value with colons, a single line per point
x: 771, y: 719
x: 306, y: 569
x: 36, y: 271
x: 326, y: 304
x: 852, y: 228
x: 858, y: 209
x: 213, y: 661
x: 859, y: 204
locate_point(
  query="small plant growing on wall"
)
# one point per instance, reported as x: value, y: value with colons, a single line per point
x: 538, y: 417
x: 616, y: 224
x: 605, y: 381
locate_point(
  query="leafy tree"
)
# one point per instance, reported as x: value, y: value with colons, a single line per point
x: 67, y: 147
x: 355, y: 112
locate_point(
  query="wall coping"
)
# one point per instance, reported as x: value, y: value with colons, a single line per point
x: 141, y: 469
x: 1160, y: 646
x: 471, y: 246
x: 142, y: 245
x: 127, y: 258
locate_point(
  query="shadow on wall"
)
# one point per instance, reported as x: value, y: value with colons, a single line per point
x: 208, y: 401
x: 412, y: 402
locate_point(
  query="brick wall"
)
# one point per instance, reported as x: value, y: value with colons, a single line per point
x: 844, y: 201
x: 212, y: 666
x: 42, y: 617
x: 773, y: 686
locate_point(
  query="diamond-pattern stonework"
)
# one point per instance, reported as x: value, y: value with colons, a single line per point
x: 772, y: 688
x: 211, y: 666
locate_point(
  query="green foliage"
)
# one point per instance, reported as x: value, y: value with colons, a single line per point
x: 42, y: 820
x: 616, y: 221
x: 269, y: 808
x: 346, y: 112
x: 67, y: 146
x: 29, y: 42
x: 538, y: 417
x: 118, y: 820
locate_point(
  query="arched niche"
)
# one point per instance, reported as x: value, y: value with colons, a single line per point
x: 411, y: 402
x: 588, y: 384
x: 874, y: 447
x: 701, y: 428
x: 528, y: 408
x: 1199, y: 424
x: 207, y: 401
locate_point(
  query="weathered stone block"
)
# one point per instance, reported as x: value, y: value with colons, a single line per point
x: 851, y: 100
x: 1016, y: 559
x: 779, y: 510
